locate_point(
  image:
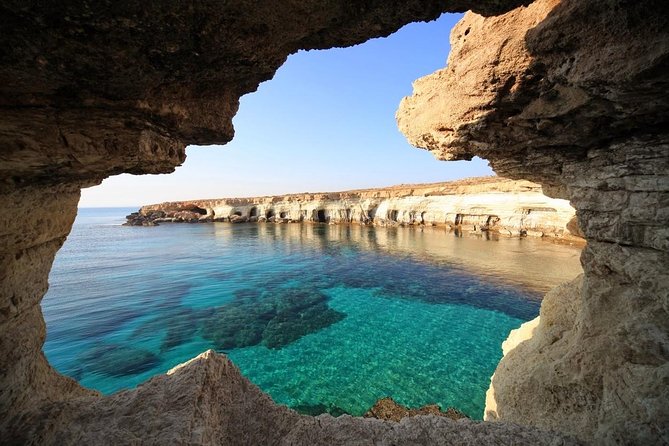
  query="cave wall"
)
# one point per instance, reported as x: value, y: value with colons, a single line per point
x: 573, y: 95
x: 92, y: 90
x: 89, y: 90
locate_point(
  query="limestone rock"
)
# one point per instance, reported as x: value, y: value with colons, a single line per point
x: 90, y: 91
x: 476, y: 204
x: 208, y: 401
x: 536, y: 88
x: 570, y: 94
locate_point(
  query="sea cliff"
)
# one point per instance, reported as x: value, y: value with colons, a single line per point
x: 507, y: 207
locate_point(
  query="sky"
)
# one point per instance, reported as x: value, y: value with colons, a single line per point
x: 325, y: 122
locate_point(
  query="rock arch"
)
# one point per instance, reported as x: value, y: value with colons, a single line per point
x: 572, y: 96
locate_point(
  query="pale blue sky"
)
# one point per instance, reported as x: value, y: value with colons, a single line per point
x: 326, y: 122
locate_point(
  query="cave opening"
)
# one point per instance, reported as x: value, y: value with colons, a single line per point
x: 253, y: 212
x: 371, y: 213
x: 269, y: 214
x: 321, y: 217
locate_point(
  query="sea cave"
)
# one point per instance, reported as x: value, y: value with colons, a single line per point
x: 568, y: 94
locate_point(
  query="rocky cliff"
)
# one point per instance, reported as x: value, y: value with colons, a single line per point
x: 494, y: 204
x: 571, y: 95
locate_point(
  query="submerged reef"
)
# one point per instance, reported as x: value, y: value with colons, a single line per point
x: 273, y: 319
x: 118, y: 360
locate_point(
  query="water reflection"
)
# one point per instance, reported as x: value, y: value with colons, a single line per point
x: 533, y: 264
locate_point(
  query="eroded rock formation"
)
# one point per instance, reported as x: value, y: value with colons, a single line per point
x: 573, y: 95
x: 89, y: 90
x: 92, y: 90
x: 494, y: 204
x: 208, y: 401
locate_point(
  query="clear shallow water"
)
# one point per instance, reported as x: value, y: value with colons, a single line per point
x: 320, y: 317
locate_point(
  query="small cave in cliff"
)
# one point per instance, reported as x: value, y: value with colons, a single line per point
x: 320, y: 216
x: 491, y: 221
x: 253, y: 212
x: 237, y: 213
x: 283, y: 214
x: 197, y: 210
x: 393, y: 214
x: 270, y: 213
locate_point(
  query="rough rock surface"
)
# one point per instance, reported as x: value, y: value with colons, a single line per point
x: 492, y: 204
x: 208, y: 401
x: 573, y: 95
x: 89, y: 90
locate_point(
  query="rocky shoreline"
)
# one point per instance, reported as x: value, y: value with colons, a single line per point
x: 485, y: 204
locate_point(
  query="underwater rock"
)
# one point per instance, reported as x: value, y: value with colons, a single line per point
x: 117, y: 360
x: 233, y: 326
x: 389, y: 409
x: 271, y: 319
x: 319, y: 409
x: 289, y: 326
x: 180, y: 325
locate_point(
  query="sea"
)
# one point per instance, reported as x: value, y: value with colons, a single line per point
x: 323, y: 318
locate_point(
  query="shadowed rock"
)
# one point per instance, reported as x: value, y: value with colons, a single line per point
x: 208, y: 401
x: 117, y: 360
x: 273, y: 319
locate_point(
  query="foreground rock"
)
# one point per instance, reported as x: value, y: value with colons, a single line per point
x: 507, y: 207
x: 573, y: 95
x: 208, y: 401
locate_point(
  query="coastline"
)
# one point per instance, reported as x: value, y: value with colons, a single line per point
x: 473, y: 205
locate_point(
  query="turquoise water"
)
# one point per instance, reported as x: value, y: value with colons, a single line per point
x: 323, y: 318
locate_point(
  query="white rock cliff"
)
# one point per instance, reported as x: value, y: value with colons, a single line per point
x: 495, y: 204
